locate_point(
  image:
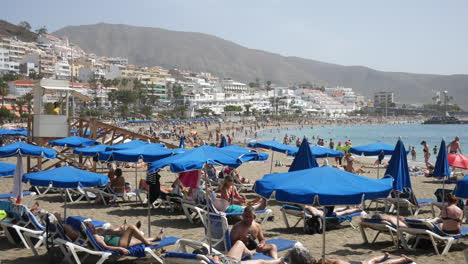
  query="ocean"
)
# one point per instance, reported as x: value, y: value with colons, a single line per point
x: 411, y: 134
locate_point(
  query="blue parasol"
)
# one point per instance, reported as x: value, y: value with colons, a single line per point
x: 304, y: 158
x: 73, y: 142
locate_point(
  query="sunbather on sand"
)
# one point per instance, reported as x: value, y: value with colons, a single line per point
x: 329, y: 211
x: 120, y: 240
x: 350, y: 167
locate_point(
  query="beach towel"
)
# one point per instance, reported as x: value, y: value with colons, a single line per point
x: 189, y: 178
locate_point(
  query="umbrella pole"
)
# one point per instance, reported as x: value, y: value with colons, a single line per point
x: 208, y: 221
x: 324, y: 223
x: 149, y: 214
x: 272, y: 158
x: 398, y: 218
x: 136, y: 182
x: 65, y: 207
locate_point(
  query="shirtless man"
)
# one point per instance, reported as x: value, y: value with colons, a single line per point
x: 454, y: 146
x: 248, y: 231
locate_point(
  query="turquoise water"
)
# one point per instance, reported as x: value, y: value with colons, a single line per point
x: 412, y: 134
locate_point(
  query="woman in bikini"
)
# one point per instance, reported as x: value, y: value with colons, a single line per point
x: 427, y: 154
x: 451, y: 216
x: 234, y: 200
x: 120, y: 240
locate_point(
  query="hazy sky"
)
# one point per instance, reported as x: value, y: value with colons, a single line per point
x: 423, y: 36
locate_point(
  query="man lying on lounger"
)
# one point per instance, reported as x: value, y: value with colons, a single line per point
x: 248, y: 231
x: 120, y: 240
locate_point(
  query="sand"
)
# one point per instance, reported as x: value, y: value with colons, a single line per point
x: 342, y: 242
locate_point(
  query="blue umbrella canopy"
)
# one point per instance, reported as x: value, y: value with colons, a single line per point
x: 247, y: 153
x: 223, y: 142
x: 24, y: 149
x: 322, y: 152
x: 330, y: 186
x: 275, y: 146
x: 182, y: 142
x: 66, y: 177
x: 442, y: 168
x: 461, y: 190
x: 398, y: 168
x: 14, y: 132
x: 129, y: 145
x: 91, y: 151
x: 373, y: 149
x: 304, y: 158
x: 73, y: 142
x: 7, y: 169
x: 148, y: 153
x: 196, y: 158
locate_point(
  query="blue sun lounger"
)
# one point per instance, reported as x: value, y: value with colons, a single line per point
x: 135, y: 251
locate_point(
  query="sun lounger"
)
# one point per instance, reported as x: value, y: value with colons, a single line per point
x: 423, y: 229
x: 182, y: 256
x: 109, y: 194
x: 219, y: 234
x: 135, y: 251
x: 381, y: 226
x: 6, y: 196
x: 298, y: 212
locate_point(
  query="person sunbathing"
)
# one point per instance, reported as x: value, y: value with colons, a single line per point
x: 389, y: 218
x: 350, y: 167
x: 121, y: 239
x: 301, y: 255
x: 329, y: 211
x: 235, y: 255
x: 451, y: 216
x: 74, y: 234
x: 229, y: 193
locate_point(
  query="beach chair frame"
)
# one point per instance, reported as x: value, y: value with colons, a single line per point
x: 430, y: 231
x: 382, y: 227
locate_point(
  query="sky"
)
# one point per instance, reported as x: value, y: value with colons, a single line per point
x: 418, y: 36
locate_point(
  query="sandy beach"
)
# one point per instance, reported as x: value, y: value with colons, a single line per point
x: 342, y: 242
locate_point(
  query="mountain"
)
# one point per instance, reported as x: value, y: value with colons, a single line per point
x: 201, y: 52
x: 9, y: 30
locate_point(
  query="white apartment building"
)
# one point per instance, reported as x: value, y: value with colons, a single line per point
x: 231, y: 86
x: 62, y: 70
x: 6, y: 65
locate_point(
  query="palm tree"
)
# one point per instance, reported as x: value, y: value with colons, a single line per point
x: 3, y: 91
x: 28, y: 99
x: 20, y: 102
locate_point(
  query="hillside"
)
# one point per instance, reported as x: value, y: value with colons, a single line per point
x: 201, y: 52
x: 9, y: 30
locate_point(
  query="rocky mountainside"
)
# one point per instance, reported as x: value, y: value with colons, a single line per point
x: 8, y: 30
x: 201, y: 52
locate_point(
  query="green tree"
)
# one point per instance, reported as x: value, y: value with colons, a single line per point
x: 3, y: 91
x: 41, y: 30
x: 247, y: 108
x: 146, y: 110
x: 25, y: 25
x: 232, y: 108
x: 20, y: 102
x: 5, y: 114
x: 268, y: 85
x: 125, y: 97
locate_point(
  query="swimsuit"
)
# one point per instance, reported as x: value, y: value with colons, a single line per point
x: 452, y: 232
x: 111, y: 240
x: 228, y: 260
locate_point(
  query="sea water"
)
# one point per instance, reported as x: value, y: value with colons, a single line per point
x: 411, y: 134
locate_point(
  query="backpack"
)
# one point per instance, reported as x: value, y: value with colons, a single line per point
x: 313, y: 225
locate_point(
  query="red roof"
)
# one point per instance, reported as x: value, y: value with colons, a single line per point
x: 23, y: 83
